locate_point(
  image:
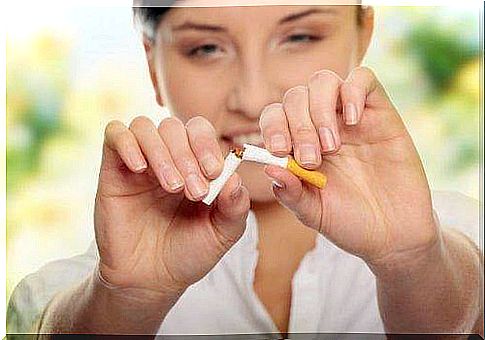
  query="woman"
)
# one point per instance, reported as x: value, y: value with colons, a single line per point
x: 364, y: 254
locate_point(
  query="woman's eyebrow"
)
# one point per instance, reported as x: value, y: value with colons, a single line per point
x: 303, y: 14
x: 189, y: 25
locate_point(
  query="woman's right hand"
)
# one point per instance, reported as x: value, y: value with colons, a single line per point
x: 152, y: 231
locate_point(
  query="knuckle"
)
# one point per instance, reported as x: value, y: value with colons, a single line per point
x: 294, y: 93
x: 140, y: 122
x: 197, y: 120
x: 325, y: 76
x: 322, y: 123
x: 303, y: 131
x: 124, y: 142
x: 187, y: 164
x: 366, y: 69
x: 117, y: 135
x: 322, y: 106
x: 112, y: 126
x: 164, y: 164
x: 365, y: 72
x: 170, y: 123
x: 271, y: 113
x: 273, y: 130
x: 199, y: 123
x: 202, y: 143
x: 271, y: 108
x: 354, y: 85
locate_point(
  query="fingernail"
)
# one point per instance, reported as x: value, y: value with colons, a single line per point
x: 327, y: 138
x: 278, y: 185
x: 196, y: 186
x: 351, y: 117
x: 278, y: 143
x: 210, y: 164
x: 172, y: 179
x: 308, y: 154
x: 140, y: 166
x: 176, y: 184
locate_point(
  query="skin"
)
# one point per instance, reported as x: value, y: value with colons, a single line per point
x: 299, y: 84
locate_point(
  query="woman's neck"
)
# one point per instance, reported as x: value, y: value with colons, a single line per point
x: 278, y: 227
x: 283, y: 242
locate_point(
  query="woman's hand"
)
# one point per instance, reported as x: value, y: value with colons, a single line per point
x: 152, y: 231
x: 377, y: 203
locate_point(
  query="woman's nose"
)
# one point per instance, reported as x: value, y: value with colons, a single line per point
x: 253, y: 88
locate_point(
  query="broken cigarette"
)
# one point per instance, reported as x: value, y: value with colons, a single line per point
x: 231, y: 163
x: 259, y: 155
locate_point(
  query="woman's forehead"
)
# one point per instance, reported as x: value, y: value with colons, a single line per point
x: 180, y: 16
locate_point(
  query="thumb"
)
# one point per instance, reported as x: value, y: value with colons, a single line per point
x: 301, y: 198
x: 231, y: 210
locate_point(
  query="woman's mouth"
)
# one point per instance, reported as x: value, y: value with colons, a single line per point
x: 253, y: 138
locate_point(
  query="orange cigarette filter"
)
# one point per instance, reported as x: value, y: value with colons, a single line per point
x: 313, y: 177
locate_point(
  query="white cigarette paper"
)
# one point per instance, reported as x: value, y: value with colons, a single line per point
x: 251, y: 153
x: 256, y: 154
x: 230, y: 165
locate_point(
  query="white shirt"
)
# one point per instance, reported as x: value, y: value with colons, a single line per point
x: 332, y: 291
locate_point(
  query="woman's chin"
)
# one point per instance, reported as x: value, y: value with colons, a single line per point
x: 257, y: 183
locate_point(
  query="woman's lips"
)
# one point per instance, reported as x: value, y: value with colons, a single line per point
x: 253, y: 138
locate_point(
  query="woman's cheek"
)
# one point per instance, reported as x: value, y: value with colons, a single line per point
x: 194, y: 98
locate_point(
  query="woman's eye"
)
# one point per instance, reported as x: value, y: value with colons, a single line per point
x: 297, y: 38
x: 204, y: 50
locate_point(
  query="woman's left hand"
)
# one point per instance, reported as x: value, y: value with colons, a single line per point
x: 377, y: 202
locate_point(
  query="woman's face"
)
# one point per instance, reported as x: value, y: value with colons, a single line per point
x: 227, y: 63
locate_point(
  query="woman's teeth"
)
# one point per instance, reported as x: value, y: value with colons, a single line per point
x: 251, y: 138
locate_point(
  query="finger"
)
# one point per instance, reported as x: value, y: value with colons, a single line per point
x: 295, y: 195
x: 203, y: 141
x: 274, y: 128
x: 359, y: 90
x: 121, y: 143
x: 231, y: 209
x: 306, y: 144
x: 157, y: 154
x: 324, y: 90
x: 175, y: 138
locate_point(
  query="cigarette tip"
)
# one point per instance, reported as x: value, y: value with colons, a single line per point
x: 238, y: 152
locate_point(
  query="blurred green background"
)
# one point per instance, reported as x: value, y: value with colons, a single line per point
x: 69, y: 71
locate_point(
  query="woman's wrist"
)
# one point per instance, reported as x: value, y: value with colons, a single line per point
x: 163, y: 292
x: 97, y: 307
x: 445, y: 278
x: 410, y: 263
x: 131, y: 310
